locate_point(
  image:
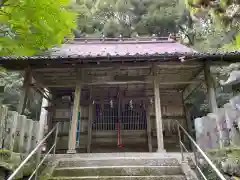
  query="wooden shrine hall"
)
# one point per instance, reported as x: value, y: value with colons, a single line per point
x: 119, y: 95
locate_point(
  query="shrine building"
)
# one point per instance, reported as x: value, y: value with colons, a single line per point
x: 117, y: 95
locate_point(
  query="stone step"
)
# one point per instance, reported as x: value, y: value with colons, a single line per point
x: 169, y: 177
x: 77, y: 162
x: 117, y: 171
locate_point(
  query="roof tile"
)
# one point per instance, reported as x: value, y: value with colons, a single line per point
x: 120, y: 49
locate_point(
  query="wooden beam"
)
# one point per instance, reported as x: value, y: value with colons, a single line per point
x: 40, y: 92
x: 210, y: 88
x: 180, y: 66
x: 71, y: 85
x: 190, y: 88
x: 110, y: 66
x: 25, y: 91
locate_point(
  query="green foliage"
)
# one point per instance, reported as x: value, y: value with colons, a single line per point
x: 225, y: 152
x: 234, y: 45
x: 219, y: 156
x: 224, y: 18
x: 9, y: 161
x: 128, y: 17
x: 5, y: 155
x: 31, y: 26
x: 11, y: 83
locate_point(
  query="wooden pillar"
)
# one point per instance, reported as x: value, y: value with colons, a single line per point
x: 189, y: 123
x: 149, y: 129
x: 90, y: 120
x: 90, y: 116
x: 25, y: 91
x: 210, y: 88
x: 158, y: 113
x: 73, y: 129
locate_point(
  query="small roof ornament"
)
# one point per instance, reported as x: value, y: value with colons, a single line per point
x: 182, y: 58
x: 137, y: 37
x: 103, y: 37
x: 154, y: 37
x: 120, y: 37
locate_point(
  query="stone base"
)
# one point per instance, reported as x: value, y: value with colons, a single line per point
x: 71, y: 151
x: 161, y: 150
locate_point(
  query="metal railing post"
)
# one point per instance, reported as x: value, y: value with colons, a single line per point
x: 30, y: 155
x: 55, y: 139
x: 180, y: 142
x: 198, y: 150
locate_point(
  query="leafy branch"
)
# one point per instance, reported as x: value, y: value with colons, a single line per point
x: 31, y: 25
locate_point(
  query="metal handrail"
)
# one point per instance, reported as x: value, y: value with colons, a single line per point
x: 35, y: 150
x: 180, y: 127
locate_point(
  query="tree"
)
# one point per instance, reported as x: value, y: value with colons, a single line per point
x: 32, y: 26
x: 10, y: 92
x: 222, y: 14
x: 128, y: 17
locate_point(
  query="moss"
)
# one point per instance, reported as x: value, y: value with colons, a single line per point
x: 10, y: 161
x: 5, y: 155
x: 225, y: 152
x: 47, y: 170
x: 220, y: 157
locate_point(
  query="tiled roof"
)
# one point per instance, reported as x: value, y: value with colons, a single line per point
x: 120, y: 48
x: 233, y: 56
x: 125, y: 50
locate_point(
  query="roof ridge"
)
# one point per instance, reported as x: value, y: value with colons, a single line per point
x: 120, y: 40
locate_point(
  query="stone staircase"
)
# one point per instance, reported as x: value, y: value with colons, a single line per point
x: 119, y: 168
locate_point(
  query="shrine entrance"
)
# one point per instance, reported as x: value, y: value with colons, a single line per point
x: 117, y: 125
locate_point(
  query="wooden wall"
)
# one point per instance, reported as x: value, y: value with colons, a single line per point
x: 172, y: 109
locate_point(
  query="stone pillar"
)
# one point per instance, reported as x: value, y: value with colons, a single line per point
x: 158, y: 114
x: 50, y: 119
x: 43, y: 117
x: 42, y: 122
x: 25, y: 90
x: 210, y: 89
x: 73, y: 129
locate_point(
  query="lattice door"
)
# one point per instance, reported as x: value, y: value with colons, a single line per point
x: 131, y: 118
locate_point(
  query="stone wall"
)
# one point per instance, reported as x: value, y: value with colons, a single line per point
x: 17, y: 133
x: 221, y: 129
x: 9, y: 161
